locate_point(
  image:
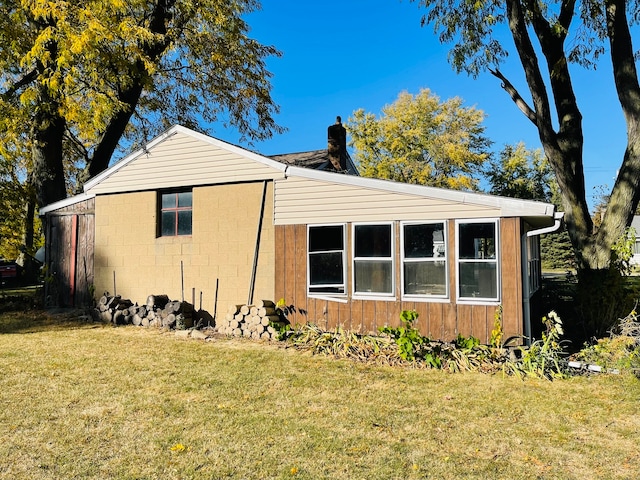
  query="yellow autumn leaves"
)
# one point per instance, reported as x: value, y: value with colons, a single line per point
x: 422, y: 140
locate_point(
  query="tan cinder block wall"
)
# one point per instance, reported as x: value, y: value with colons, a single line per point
x: 219, y: 251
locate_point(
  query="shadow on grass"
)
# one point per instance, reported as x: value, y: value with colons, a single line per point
x: 36, y: 321
x: 21, y: 311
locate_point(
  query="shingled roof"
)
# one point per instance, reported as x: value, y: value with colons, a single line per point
x: 314, y: 159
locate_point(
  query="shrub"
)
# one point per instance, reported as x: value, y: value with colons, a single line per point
x: 545, y: 358
x: 621, y: 350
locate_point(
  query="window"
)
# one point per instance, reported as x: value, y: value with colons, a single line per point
x: 534, y: 265
x: 175, y: 214
x: 424, y: 260
x: 373, y: 259
x: 477, y: 257
x: 326, y: 259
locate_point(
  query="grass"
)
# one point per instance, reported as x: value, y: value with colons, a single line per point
x: 83, y: 400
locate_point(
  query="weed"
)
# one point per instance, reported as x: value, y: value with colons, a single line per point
x: 407, y: 337
x: 497, y: 333
x: 545, y: 358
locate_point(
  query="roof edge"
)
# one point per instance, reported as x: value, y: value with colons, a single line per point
x: 66, y: 202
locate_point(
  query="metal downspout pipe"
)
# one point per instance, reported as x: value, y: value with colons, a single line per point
x: 526, y: 291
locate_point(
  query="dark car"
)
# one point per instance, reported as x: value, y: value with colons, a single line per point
x: 9, y: 272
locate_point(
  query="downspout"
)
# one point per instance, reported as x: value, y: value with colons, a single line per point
x: 526, y: 291
x: 257, y: 247
x: 557, y: 217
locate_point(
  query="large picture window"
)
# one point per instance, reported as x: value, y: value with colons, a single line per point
x: 175, y: 213
x: 326, y: 259
x: 373, y: 259
x: 477, y: 257
x: 424, y: 260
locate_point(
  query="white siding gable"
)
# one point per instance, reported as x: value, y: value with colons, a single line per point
x: 182, y: 157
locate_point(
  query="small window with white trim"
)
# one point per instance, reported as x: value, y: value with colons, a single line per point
x: 424, y: 260
x: 373, y: 269
x: 477, y: 260
x: 326, y: 259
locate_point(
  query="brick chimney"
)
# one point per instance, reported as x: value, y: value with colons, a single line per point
x: 337, y: 145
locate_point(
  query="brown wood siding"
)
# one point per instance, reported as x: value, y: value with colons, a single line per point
x: 511, y: 278
x: 69, y: 257
x: 438, y: 320
x: 84, y: 261
x: 300, y: 262
x: 280, y: 266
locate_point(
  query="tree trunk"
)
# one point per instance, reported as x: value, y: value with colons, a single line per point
x: 129, y: 94
x: 601, y: 300
x: 47, y: 135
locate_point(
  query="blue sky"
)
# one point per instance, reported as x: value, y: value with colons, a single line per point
x: 341, y: 55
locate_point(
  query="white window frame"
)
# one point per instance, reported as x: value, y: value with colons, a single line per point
x: 404, y: 260
x: 496, y: 261
x: 373, y: 295
x: 534, y: 264
x: 344, y: 263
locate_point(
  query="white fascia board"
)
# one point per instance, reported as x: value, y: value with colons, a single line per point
x: 510, y: 207
x: 186, y: 131
x: 67, y: 202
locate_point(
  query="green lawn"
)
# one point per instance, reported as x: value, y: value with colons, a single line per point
x: 83, y: 400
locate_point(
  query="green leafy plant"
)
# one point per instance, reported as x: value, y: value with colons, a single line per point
x: 283, y: 330
x: 466, y: 343
x: 407, y: 337
x: 283, y: 326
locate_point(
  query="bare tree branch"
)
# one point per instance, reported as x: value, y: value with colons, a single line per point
x: 28, y: 78
x: 515, y: 96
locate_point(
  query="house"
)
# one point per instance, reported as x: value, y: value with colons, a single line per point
x: 205, y: 221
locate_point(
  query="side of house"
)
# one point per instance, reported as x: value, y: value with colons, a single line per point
x: 355, y: 252
x: 190, y: 218
x: 210, y: 223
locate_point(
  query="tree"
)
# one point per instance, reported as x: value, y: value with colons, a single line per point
x: 566, y: 31
x: 520, y: 173
x: 556, y: 249
x: 419, y: 139
x: 79, y: 78
x: 526, y: 174
x: 15, y: 230
x: 12, y: 218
